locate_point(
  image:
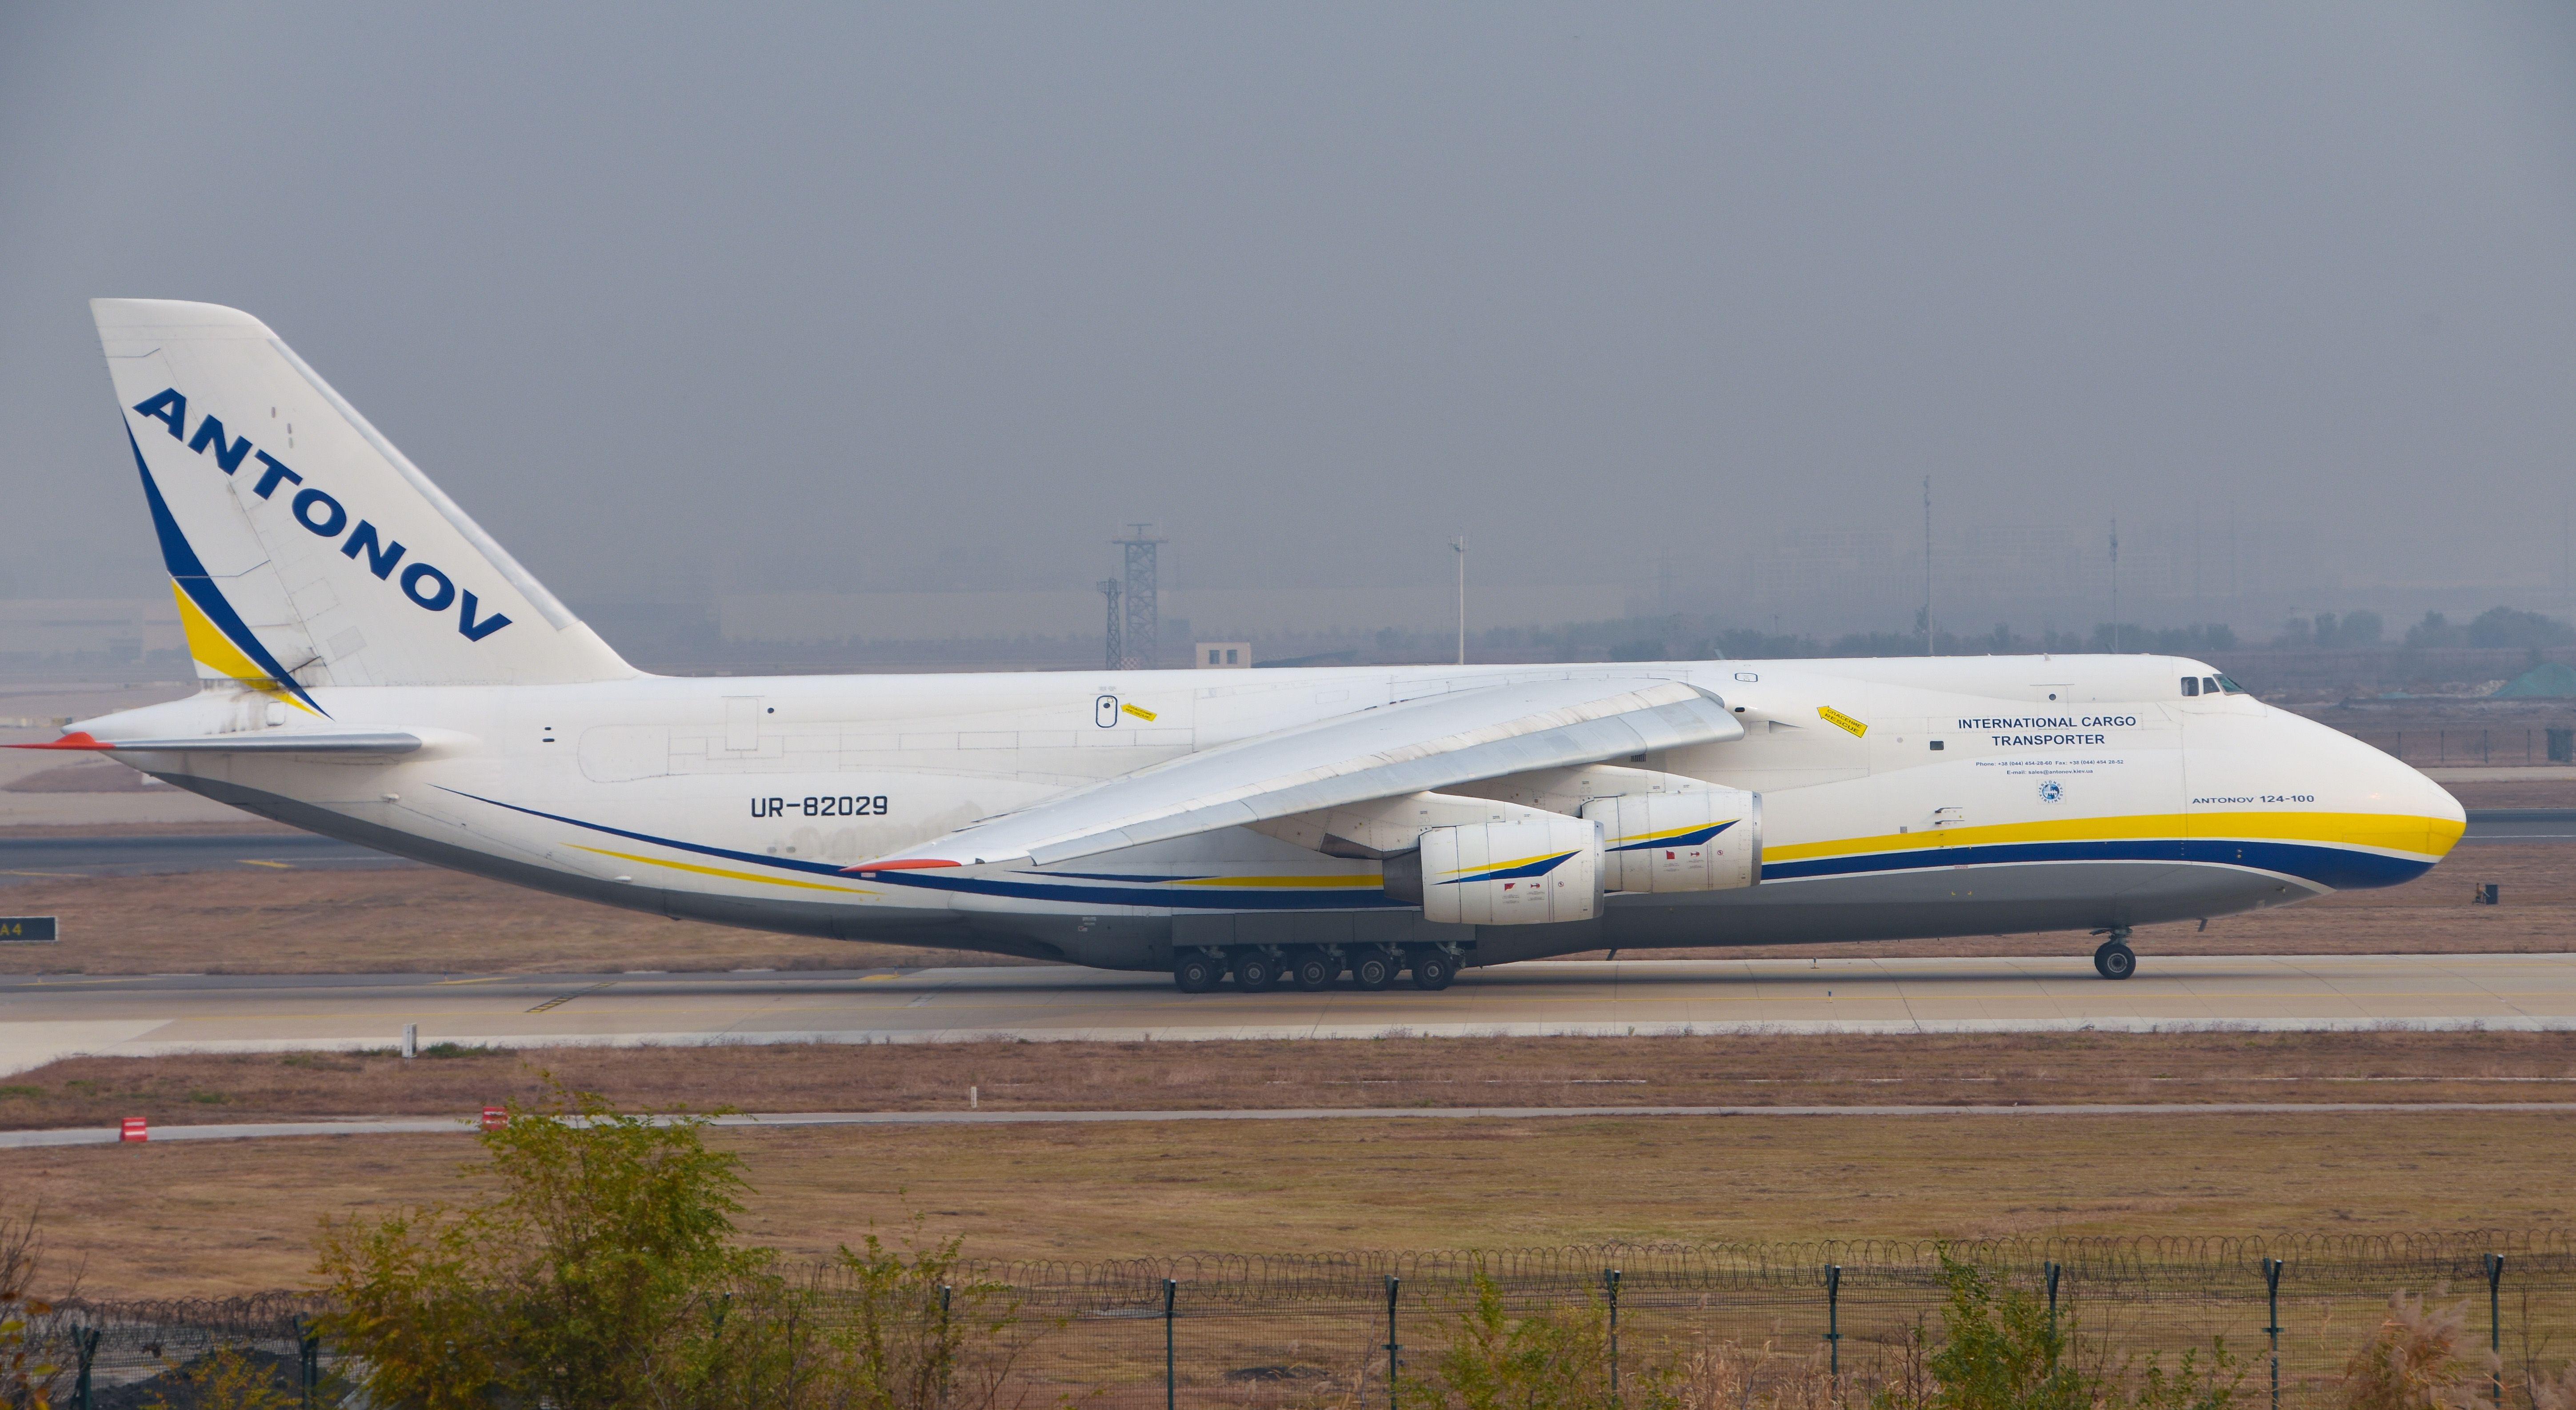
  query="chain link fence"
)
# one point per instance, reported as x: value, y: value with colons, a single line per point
x: 1796, y: 1323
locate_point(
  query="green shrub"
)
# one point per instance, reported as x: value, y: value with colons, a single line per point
x: 2001, y: 1349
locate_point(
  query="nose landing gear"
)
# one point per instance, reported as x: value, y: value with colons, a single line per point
x: 2115, y: 960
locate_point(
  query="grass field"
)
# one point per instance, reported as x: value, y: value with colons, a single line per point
x: 209, y: 1218
x: 412, y: 920
x: 1732, y: 1070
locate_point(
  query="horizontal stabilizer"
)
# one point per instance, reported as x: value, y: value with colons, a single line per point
x: 1419, y: 745
x: 271, y: 742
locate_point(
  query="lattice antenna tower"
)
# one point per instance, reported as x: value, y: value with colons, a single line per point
x: 1117, y: 650
x: 1143, y: 602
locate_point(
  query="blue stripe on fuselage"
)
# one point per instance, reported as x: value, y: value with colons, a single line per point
x: 1246, y: 900
x: 2342, y: 868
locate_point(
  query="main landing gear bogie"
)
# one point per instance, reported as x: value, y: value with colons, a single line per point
x: 1313, y: 969
x: 2115, y: 960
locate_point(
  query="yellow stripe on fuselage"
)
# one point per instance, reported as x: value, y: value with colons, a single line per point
x: 1310, y: 881
x: 2430, y: 837
x: 720, y: 871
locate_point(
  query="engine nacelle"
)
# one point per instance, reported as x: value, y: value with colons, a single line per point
x: 1536, y: 871
x: 1709, y: 840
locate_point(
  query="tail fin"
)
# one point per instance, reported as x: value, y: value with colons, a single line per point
x: 304, y: 549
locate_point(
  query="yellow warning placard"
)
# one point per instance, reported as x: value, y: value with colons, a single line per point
x: 1139, y: 711
x: 1840, y: 720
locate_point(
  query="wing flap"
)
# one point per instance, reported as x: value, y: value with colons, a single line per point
x: 1416, y: 746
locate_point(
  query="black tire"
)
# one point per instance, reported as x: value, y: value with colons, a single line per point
x: 2115, y: 960
x: 1197, y: 974
x: 1255, y: 972
x: 1373, y: 969
x: 1433, y: 969
x: 1312, y: 970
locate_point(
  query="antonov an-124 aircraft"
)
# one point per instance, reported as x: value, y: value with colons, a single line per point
x: 376, y: 668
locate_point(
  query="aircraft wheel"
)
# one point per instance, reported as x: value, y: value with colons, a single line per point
x: 1197, y: 974
x: 1433, y: 969
x: 1313, y: 970
x: 2115, y: 960
x: 1255, y: 972
x: 1373, y: 969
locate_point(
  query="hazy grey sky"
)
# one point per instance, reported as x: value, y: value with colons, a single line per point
x: 937, y: 295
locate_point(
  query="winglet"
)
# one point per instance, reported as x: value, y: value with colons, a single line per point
x: 77, y: 739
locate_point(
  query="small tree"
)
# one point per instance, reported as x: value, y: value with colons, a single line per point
x: 594, y: 1276
x: 2000, y: 1349
x: 918, y: 1331
x: 1554, y: 1359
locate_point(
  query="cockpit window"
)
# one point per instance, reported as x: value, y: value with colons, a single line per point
x: 2191, y: 685
x: 2230, y: 686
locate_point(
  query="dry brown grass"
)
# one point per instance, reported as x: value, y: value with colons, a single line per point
x: 1734, y: 1070
x: 225, y: 1217
x: 416, y: 920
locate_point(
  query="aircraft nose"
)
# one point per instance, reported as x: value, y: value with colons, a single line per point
x: 2386, y: 785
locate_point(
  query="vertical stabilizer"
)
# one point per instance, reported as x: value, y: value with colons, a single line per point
x: 304, y: 549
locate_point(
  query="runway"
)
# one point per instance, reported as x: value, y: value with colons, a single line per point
x: 25, y: 859
x: 42, y: 1018
x: 2521, y: 825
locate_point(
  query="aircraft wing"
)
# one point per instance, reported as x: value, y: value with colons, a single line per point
x: 1437, y: 742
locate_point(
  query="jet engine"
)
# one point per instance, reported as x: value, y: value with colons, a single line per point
x: 1531, y: 871
x: 1706, y: 840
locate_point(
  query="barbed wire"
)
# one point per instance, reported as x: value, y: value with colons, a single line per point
x: 2127, y: 1268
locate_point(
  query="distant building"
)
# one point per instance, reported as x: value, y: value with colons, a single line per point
x: 1217, y: 655
x: 113, y: 629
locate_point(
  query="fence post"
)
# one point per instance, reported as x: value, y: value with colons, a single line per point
x: 85, y: 1342
x: 947, y: 1346
x: 1392, y: 1283
x: 2495, y: 1320
x: 1171, y: 1362
x: 1834, y: 1320
x: 2272, y: 1296
x: 2051, y: 1270
x: 1610, y: 1281
x: 308, y: 1361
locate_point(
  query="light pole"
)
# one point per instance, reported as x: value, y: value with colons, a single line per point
x: 1459, y: 544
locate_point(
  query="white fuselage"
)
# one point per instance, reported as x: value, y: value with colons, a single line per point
x: 1955, y: 796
